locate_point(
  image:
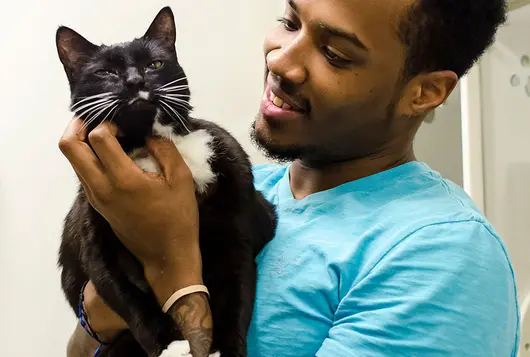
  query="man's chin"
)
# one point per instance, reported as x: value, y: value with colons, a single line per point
x: 272, y: 149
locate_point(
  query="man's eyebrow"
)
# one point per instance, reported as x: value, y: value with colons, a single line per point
x: 334, y: 31
x: 343, y: 34
x: 293, y: 5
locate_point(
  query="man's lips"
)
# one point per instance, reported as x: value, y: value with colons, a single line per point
x: 283, y: 100
x: 275, y: 107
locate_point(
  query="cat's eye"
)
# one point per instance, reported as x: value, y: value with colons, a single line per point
x: 155, y: 65
x: 105, y: 72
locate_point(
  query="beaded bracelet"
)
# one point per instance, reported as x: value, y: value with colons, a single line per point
x: 83, y: 321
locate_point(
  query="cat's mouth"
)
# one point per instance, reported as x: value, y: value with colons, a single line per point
x: 142, y: 96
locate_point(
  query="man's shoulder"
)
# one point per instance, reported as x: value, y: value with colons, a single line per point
x: 418, y: 213
x: 437, y: 218
x: 267, y: 174
x: 428, y: 199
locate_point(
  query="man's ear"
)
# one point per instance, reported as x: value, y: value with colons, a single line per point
x: 162, y: 29
x: 426, y: 92
x: 73, y: 50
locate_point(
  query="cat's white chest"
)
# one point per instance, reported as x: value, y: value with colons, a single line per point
x: 195, y: 148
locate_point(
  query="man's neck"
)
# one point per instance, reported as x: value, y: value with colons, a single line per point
x: 306, y: 179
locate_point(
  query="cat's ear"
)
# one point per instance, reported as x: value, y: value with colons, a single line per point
x: 162, y: 29
x: 73, y: 49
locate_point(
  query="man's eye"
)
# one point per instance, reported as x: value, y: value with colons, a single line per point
x: 155, y: 65
x: 333, y: 57
x: 288, y: 24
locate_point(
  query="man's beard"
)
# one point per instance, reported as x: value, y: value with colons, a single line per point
x: 277, y: 153
x: 309, y: 153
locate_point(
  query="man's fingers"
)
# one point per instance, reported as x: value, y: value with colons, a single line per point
x: 80, y: 155
x: 169, y: 158
x: 118, y: 165
x: 88, y: 192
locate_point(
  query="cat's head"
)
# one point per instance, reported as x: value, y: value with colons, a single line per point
x: 129, y: 83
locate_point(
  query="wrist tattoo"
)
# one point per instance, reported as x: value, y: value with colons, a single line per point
x: 194, y: 319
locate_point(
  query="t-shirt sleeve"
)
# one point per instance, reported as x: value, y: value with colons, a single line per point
x: 445, y: 290
x: 262, y: 171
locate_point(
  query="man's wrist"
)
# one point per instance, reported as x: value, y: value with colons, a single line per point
x: 171, y: 275
x: 193, y: 317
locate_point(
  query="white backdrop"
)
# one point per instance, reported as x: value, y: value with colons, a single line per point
x: 505, y: 87
x: 220, y: 46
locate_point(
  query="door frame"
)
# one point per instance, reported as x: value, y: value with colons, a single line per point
x: 472, y: 134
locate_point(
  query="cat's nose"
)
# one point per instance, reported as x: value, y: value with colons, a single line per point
x: 134, y: 79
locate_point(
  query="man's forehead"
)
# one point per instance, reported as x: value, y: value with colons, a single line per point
x: 389, y: 8
x: 371, y: 19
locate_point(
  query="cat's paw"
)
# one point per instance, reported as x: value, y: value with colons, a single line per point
x: 216, y: 354
x: 177, y: 349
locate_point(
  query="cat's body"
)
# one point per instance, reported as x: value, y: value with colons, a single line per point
x: 235, y: 219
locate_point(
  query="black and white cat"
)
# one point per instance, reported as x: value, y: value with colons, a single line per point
x: 141, y: 87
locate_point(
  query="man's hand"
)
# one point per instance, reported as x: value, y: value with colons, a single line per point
x: 155, y: 216
x: 103, y: 320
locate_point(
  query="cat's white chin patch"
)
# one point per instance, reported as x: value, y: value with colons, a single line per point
x: 195, y: 148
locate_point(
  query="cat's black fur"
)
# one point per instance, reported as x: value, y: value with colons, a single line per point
x: 235, y: 219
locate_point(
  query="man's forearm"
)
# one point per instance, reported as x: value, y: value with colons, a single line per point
x: 191, y: 314
x: 81, y: 344
x: 194, y: 319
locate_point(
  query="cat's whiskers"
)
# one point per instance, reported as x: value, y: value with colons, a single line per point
x: 91, y: 109
x: 112, y: 108
x: 176, y: 96
x: 172, y: 89
x: 184, y: 104
x: 172, y: 82
x: 176, y: 93
x: 91, y: 104
x: 85, y: 99
x: 176, y: 117
x: 95, y: 116
x: 178, y: 105
x: 183, y: 120
x: 117, y: 109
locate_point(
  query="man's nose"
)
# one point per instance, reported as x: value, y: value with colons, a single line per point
x: 288, y: 62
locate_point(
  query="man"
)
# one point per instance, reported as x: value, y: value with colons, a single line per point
x: 375, y: 253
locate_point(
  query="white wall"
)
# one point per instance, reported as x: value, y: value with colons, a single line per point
x: 506, y: 143
x: 220, y: 45
x: 439, y: 140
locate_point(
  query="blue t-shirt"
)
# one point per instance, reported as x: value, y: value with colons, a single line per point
x: 400, y: 263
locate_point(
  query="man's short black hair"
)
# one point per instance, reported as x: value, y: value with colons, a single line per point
x: 449, y: 34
